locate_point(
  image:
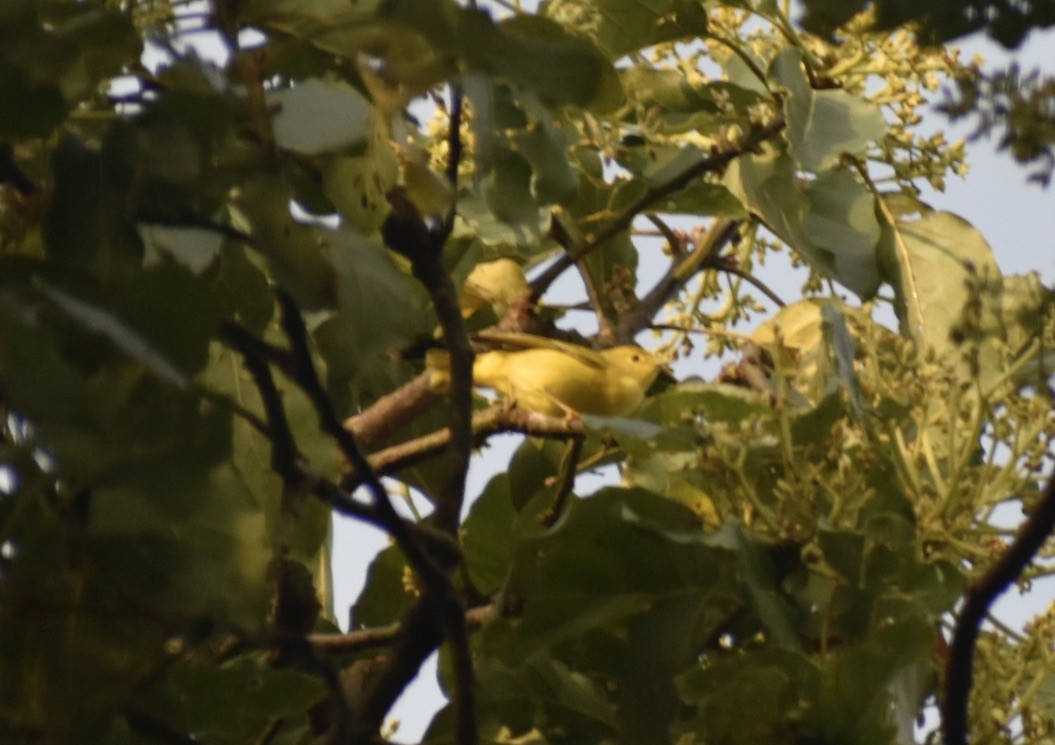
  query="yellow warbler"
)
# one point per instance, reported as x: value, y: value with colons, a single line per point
x: 557, y: 378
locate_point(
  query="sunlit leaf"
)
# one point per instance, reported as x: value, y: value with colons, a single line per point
x: 946, y: 283
x: 822, y: 125
x: 319, y: 115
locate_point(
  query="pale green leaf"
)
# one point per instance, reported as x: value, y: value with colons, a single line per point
x: 319, y: 115
x: 828, y: 228
x: 194, y: 248
x: 822, y: 125
x: 622, y: 26
x: 939, y: 264
x: 842, y: 221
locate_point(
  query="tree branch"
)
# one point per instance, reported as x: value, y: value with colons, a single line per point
x: 597, y: 300
x: 361, y: 640
x: 392, y: 412
x: 285, y: 458
x: 305, y: 375
x: 405, y: 231
x: 255, y: 354
x: 753, y: 281
x: 490, y: 421
x: 981, y: 594
x: 623, y: 220
x: 569, y: 465
x: 704, y: 256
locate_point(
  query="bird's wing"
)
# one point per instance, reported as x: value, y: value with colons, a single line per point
x: 518, y: 340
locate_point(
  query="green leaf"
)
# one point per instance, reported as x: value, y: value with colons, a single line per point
x: 657, y: 165
x: 610, y: 557
x: 542, y: 693
x: 660, y: 643
x: 487, y: 542
x: 385, y: 597
x: 622, y: 26
x: 320, y: 115
x: 757, y: 572
x: 193, y: 248
x: 946, y: 283
x: 101, y: 321
x: 295, y: 257
x: 673, y: 92
x: 243, y: 290
x: 235, y: 702
x: 695, y: 401
x: 545, y: 147
x: 86, y: 226
x: 367, y: 282
x: 822, y: 125
x: 66, y: 670
x: 509, y: 194
x: 767, y: 185
x: 842, y: 221
x: 843, y: 552
x: 52, y: 56
x: 753, y: 698
x: 357, y: 186
x: 41, y: 107
x: 537, y: 54
x: 853, y: 696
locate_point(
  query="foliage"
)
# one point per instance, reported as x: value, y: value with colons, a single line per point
x: 217, y: 276
x: 1007, y: 21
x: 1021, y: 105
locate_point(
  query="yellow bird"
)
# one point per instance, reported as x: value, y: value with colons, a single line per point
x: 557, y: 378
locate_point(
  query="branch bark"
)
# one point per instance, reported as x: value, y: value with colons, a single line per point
x: 981, y: 594
x: 623, y: 220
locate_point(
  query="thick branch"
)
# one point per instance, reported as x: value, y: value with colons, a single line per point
x: 392, y: 412
x: 485, y: 423
x: 981, y: 594
x: 364, y: 639
x: 623, y: 220
x: 438, y: 614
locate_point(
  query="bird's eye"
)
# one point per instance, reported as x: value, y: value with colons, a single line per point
x: 635, y: 358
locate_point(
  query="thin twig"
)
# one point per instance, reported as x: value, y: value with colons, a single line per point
x: 454, y: 140
x: 623, y: 220
x: 255, y: 354
x: 569, y: 465
x: 706, y: 255
x: 598, y: 301
x: 754, y: 281
x: 305, y: 375
x: 285, y: 458
x: 981, y: 594
x: 676, y: 243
